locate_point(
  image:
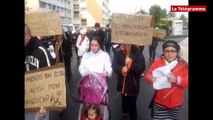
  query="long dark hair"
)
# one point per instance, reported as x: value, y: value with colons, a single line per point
x: 96, y: 38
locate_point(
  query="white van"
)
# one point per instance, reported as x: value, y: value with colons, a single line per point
x: 70, y: 27
x: 177, y: 27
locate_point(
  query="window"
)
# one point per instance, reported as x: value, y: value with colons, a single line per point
x: 50, y: 6
x: 83, y: 21
x: 42, y: 4
x: 54, y: 7
x: 76, y: 12
x: 76, y: 6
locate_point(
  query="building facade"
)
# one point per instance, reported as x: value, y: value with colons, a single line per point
x: 77, y: 12
x: 105, y: 12
x: 63, y: 7
x: 87, y: 12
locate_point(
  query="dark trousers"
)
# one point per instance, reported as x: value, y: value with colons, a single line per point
x: 114, y: 50
x: 79, y: 59
x: 67, y: 64
x: 152, y: 51
x: 102, y: 46
x: 107, y: 47
x: 68, y: 74
x: 129, y: 105
x: 76, y: 50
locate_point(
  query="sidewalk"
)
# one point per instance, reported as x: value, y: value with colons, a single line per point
x: 175, y: 36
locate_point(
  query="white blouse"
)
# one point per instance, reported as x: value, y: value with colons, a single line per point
x: 95, y: 62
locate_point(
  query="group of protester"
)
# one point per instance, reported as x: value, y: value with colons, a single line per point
x: 128, y: 64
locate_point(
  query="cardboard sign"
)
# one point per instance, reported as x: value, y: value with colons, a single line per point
x: 159, y: 33
x: 132, y: 28
x: 45, y: 87
x: 44, y: 24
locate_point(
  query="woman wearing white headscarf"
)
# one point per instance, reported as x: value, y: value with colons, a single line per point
x: 82, y: 44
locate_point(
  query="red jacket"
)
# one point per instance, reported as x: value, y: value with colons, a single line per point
x: 42, y: 38
x: 170, y: 97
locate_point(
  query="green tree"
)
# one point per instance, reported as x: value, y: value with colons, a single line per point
x: 157, y: 12
x: 182, y: 17
x: 141, y: 11
x: 171, y: 14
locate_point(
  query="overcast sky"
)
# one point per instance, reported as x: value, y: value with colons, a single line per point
x: 130, y: 6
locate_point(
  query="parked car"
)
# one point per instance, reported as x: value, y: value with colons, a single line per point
x: 70, y: 27
x: 103, y: 27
